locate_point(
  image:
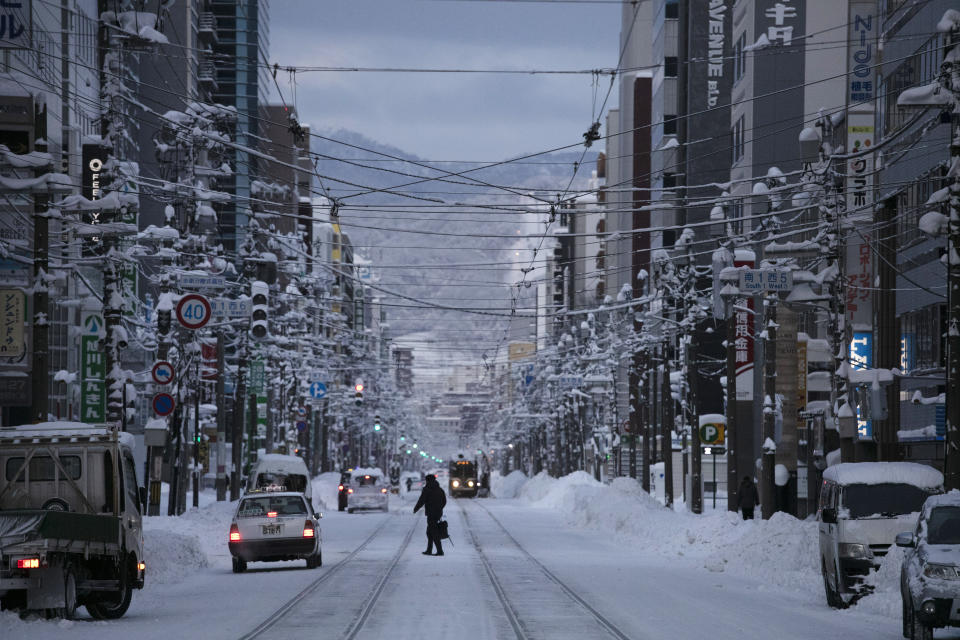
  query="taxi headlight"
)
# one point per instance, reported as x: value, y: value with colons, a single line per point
x: 941, y: 571
x: 456, y: 483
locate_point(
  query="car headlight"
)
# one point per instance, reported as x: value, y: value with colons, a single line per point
x: 853, y: 550
x: 941, y: 571
x: 456, y: 483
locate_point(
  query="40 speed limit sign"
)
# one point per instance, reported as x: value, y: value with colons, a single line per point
x: 193, y: 311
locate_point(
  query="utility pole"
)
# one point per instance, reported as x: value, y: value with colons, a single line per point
x: 195, y: 468
x: 732, y: 435
x: 768, y: 460
x: 324, y: 439
x: 40, y: 398
x: 237, y: 435
x: 666, y: 400
x: 221, y: 423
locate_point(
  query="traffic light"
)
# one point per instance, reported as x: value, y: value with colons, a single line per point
x: 259, y: 298
x: 376, y: 423
x: 163, y: 321
x: 358, y: 393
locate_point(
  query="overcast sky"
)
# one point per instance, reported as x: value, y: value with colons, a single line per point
x: 447, y: 116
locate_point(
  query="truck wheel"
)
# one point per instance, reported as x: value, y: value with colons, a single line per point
x: 117, y: 604
x: 239, y: 565
x: 69, y: 610
x: 833, y: 594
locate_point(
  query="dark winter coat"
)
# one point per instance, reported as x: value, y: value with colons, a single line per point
x: 433, y: 499
x: 747, y: 496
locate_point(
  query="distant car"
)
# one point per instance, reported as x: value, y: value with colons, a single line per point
x: 367, y: 491
x: 930, y: 577
x: 277, y: 471
x: 862, y: 508
x: 343, y: 490
x: 274, y: 525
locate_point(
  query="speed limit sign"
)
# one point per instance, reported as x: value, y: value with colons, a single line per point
x: 193, y: 311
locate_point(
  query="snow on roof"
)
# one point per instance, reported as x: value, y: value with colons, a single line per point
x: 949, y: 499
x: 366, y: 471
x: 918, y: 475
x: 66, y: 429
x: 712, y: 418
x: 282, y: 463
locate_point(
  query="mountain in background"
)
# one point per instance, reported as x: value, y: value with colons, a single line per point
x: 422, y: 238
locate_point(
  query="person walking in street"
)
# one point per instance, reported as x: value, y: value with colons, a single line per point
x: 433, y: 500
x: 747, y: 497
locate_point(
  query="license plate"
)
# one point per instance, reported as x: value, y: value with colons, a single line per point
x: 271, y: 529
x: 955, y: 609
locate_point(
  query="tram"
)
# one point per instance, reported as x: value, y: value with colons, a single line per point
x: 463, y: 478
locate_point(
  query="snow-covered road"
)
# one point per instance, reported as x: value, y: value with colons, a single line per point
x: 518, y: 568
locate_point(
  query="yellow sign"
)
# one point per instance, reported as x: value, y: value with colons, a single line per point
x: 11, y: 323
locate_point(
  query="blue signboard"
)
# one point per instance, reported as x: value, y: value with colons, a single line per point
x: 861, y: 357
x: 318, y: 390
x: 906, y: 352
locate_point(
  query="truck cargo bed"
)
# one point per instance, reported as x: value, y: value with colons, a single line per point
x: 26, y: 525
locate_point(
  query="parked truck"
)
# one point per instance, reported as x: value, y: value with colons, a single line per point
x: 70, y: 520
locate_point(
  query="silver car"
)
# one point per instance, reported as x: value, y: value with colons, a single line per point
x: 274, y: 525
x: 367, y: 491
x: 930, y: 577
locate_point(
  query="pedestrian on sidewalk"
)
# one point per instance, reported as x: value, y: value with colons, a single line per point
x: 747, y: 497
x: 433, y: 499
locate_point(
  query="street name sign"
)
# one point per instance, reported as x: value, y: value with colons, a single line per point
x: 757, y: 280
x: 197, y: 281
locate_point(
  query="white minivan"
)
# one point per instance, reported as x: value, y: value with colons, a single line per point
x: 862, y: 508
x: 278, y: 472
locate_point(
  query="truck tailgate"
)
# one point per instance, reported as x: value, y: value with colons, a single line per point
x: 35, y: 524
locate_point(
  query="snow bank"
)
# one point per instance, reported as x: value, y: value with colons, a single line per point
x: 325, y: 489
x: 175, y: 546
x: 781, y: 551
x: 508, y: 486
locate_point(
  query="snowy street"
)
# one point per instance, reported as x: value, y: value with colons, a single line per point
x: 540, y: 565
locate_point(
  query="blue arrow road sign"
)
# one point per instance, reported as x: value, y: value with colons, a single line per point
x: 318, y: 390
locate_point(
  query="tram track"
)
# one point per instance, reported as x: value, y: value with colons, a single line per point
x: 357, y: 626
x: 512, y: 614
x: 278, y: 615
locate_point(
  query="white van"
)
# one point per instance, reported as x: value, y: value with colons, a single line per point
x: 276, y: 470
x: 862, y: 508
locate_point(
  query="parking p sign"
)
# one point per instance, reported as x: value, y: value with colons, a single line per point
x: 713, y: 434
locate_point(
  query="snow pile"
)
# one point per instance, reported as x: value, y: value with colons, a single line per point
x: 177, y: 546
x: 885, y: 600
x: 508, y: 486
x: 325, y: 490
x: 781, y: 551
x: 550, y: 491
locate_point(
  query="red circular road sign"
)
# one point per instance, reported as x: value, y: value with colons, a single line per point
x: 163, y: 404
x: 193, y: 311
x: 163, y: 372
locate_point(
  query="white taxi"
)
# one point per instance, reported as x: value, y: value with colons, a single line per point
x: 274, y: 525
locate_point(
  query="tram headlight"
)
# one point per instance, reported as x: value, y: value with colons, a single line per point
x: 456, y: 483
x: 470, y: 483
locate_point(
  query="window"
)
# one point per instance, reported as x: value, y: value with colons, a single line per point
x: 130, y: 480
x: 601, y: 227
x: 738, y: 143
x: 740, y: 57
x: 670, y: 66
x: 672, y: 9
x: 42, y: 468
x: 281, y: 505
x: 670, y: 125
x: 669, y: 180
x: 601, y: 261
x: 919, y: 69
